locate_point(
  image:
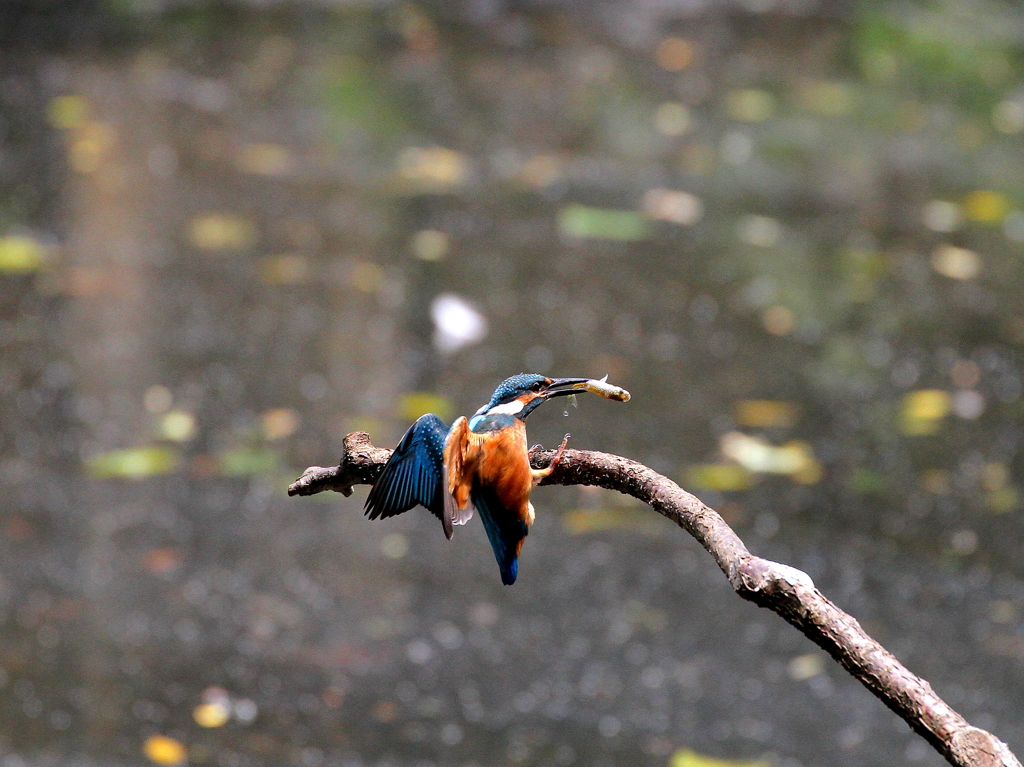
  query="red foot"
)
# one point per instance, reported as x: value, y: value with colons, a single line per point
x: 558, y: 454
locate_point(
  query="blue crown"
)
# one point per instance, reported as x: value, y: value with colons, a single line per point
x: 512, y: 387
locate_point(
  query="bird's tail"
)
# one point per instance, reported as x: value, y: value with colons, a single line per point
x: 504, y: 531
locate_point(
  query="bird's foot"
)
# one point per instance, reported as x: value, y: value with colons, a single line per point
x: 539, y: 474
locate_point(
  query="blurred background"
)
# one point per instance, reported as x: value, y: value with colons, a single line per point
x: 232, y: 232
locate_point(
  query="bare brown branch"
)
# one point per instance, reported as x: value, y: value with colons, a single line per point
x: 782, y: 589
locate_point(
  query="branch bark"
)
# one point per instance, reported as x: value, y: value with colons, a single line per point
x: 780, y: 588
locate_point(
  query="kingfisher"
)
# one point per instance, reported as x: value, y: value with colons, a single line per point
x: 480, y: 463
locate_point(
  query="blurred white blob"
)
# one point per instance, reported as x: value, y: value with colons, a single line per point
x: 675, y: 207
x: 956, y: 263
x: 457, y: 323
x: 942, y: 216
x: 760, y: 231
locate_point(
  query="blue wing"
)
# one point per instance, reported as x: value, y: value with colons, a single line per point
x: 414, y: 475
x: 504, y: 530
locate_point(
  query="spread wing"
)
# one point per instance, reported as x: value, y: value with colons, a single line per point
x: 414, y: 475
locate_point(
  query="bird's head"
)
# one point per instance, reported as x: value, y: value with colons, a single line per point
x: 521, y: 394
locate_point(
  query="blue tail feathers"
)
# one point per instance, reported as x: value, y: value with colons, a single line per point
x: 504, y: 531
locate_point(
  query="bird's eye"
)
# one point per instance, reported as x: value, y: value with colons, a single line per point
x: 537, y: 386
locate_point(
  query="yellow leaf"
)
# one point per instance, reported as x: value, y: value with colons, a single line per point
x: 750, y: 105
x: 211, y: 714
x: 434, y: 167
x: 417, y: 403
x: 66, y: 112
x: 684, y: 757
x: 795, y: 458
x: 718, y: 476
x: 831, y: 99
x: 1002, y: 500
x: 923, y: 410
x: 217, y: 231
x: 764, y: 413
x: 20, y: 254
x: 134, y: 463
x: 986, y: 206
x: 178, y: 426
x: 163, y: 750
x: 581, y: 521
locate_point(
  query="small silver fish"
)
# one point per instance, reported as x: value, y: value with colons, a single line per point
x: 602, y: 387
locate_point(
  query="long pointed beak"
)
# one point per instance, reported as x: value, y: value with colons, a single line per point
x: 562, y: 386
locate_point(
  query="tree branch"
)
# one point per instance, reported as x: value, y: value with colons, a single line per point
x: 782, y: 589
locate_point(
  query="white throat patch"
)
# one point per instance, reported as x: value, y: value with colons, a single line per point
x: 509, y: 408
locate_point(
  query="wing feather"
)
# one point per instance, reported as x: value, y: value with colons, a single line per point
x: 414, y: 475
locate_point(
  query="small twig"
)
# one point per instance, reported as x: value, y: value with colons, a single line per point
x: 785, y: 590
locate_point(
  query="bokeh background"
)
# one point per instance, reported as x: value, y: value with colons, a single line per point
x: 232, y: 232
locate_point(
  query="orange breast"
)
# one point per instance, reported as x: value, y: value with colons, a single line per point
x: 505, y: 466
x: 498, y: 460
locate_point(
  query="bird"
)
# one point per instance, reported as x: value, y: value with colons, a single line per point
x: 480, y: 463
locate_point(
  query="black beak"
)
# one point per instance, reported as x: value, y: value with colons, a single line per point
x: 562, y: 386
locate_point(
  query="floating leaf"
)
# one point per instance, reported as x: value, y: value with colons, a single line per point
x: 134, y: 463
x: 684, y: 757
x: 414, y: 404
x: 795, y: 458
x: 718, y: 476
x: 178, y: 426
x: 763, y: 413
x: 806, y: 666
x: 430, y: 244
x: 923, y: 410
x: 163, y: 750
x: 986, y: 206
x: 246, y: 461
x: 580, y: 521
x: 749, y: 105
x: 672, y: 119
x: 434, y: 167
x: 65, y: 112
x: 602, y: 224
x: 211, y: 714
x: 20, y: 254
x: 217, y: 231
x: 675, y: 207
x: 830, y: 99
x: 1002, y: 500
